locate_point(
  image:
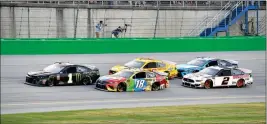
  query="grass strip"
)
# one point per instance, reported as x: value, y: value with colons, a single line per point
x: 245, y: 113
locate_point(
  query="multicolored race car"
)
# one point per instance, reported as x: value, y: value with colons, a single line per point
x: 218, y: 77
x: 200, y: 63
x: 133, y: 80
x: 148, y: 64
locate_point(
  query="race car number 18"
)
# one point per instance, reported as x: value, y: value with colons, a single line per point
x: 139, y: 83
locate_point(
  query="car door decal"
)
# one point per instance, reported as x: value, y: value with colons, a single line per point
x: 70, y: 78
x: 225, y: 80
x: 78, y: 77
x: 139, y: 84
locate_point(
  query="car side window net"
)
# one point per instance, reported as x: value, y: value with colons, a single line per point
x: 237, y: 72
x: 213, y: 63
x: 151, y: 65
x: 71, y: 70
x: 225, y: 73
x: 140, y: 75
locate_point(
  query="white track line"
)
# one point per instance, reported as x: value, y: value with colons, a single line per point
x: 126, y: 100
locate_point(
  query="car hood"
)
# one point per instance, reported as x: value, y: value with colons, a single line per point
x: 112, y: 78
x: 39, y: 73
x: 186, y: 66
x: 197, y: 76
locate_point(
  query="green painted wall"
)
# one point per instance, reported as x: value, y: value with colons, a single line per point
x: 137, y: 45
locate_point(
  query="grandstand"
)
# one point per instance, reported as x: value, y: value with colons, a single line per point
x: 157, y: 18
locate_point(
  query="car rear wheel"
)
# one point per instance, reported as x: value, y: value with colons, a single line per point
x: 121, y: 87
x: 207, y: 84
x: 240, y: 83
x: 87, y: 81
x: 50, y: 83
x: 155, y: 86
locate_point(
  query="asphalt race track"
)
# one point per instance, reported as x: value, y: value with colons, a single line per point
x: 17, y: 97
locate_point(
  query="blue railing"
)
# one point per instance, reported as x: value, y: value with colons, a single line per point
x: 228, y: 20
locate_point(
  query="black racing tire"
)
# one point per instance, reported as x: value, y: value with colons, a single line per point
x: 208, y: 84
x: 240, y: 83
x: 87, y: 81
x: 155, y: 86
x: 121, y: 87
x: 50, y: 83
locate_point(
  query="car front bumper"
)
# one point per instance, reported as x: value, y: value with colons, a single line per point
x: 105, y: 87
x: 34, y: 81
x: 182, y: 73
x: 190, y: 84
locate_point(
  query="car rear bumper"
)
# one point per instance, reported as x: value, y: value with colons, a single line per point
x: 249, y: 83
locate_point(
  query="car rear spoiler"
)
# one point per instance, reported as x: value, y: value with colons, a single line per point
x: 245, y: 70
x: 91, y: 67
x: 161, y: 73
x: 232, y: 61
x: 171, y: 62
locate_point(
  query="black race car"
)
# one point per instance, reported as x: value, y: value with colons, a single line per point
x: 64, y: 73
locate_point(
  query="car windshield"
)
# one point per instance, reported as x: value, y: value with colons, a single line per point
x: 197, y: 62
x: 210, y: 71
x: 134, y: 64
x: 125, y: 74
x: 53, y: 68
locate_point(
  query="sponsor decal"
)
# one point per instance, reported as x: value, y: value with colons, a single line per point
x: 240, y: 76
x: 225, y: 80
x: 78, y: 77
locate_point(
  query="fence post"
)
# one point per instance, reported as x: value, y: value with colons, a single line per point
x: 76, y: 21
x: 257, y: 13
x: 29, y: 32
x: 155, y: 29
x: 13, y: 26
x: 89, y: 26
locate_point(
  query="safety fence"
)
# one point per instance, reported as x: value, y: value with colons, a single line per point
x: 183, y: 4
x: 23, y: 22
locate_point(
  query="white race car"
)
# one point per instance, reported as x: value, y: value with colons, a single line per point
x: 218, y: 77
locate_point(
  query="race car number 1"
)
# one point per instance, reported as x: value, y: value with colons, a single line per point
x: 70, y: 78
x: 139, y: 83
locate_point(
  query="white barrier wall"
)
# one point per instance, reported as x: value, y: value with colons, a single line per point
x: 51, y: 22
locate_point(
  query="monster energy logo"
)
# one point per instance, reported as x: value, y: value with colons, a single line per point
x: 78, y: 77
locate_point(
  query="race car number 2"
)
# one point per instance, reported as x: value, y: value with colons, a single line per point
x: 225, y: 80
x: 139, y: 83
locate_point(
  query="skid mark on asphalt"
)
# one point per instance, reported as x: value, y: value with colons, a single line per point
x: 127, y: 100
